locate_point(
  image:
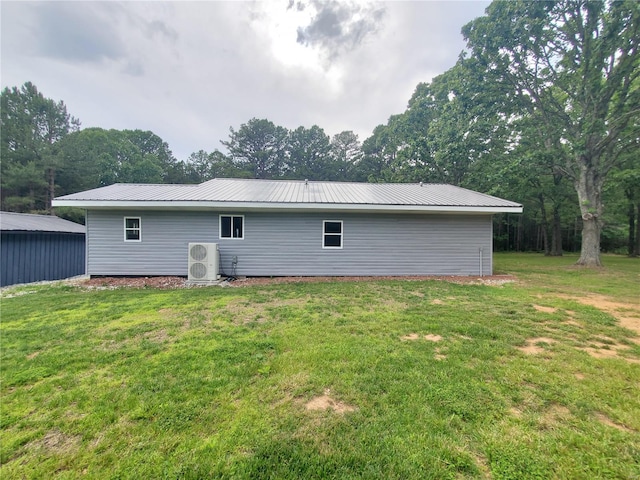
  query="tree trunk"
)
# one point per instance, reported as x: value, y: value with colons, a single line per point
x: 52, y: 189
x: 556, y: 233
x: 589, y: 189
x: 632, y: 230
x: 545, y: 225
x: 636, y: 250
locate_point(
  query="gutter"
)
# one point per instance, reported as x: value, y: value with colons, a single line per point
x: 265, y: 206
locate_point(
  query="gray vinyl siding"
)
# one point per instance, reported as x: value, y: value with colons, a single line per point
x: 289, y: 243
x: 162, y: 251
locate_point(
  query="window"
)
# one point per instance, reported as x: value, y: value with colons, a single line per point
x: 232, y: 226
x: 332, y: 234
x: 132, y: 229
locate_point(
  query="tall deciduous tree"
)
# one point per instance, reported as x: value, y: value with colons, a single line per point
x: 31, y: 125
x: 97, y: 157
x: 575, y: 66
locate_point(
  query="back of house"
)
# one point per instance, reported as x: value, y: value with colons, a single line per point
x: 285, y: 228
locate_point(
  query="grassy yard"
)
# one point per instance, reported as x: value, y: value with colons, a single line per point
x: 377, y: 379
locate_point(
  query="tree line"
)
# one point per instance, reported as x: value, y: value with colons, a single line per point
x: 543, y: 108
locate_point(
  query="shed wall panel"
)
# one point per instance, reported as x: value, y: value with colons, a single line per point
x: 36, y: 256
x: 288, y: 243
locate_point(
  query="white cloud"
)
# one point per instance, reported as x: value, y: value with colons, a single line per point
x: 190, y: 70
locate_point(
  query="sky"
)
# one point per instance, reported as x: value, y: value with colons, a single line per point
x: 188, y: 71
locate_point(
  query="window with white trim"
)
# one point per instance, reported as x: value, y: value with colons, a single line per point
x: 132, y: 229
x: 332, y: 234
x: 232, y: 226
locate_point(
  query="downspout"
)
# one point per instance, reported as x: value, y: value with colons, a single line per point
x: 86, y: 242
x: 480, y: 260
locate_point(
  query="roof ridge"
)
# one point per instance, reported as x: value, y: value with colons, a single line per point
x: 284, y: 180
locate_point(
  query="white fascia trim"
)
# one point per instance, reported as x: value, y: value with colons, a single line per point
x: 199, y: 205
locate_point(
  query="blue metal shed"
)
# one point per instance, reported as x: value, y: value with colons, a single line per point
x: 39, y: 247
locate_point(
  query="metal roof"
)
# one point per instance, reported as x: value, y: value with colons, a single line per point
x: 37, y: 223
x: 299, y: 194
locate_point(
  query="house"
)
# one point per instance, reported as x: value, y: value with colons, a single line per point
x: 281, y: 228
x: 39, y: 247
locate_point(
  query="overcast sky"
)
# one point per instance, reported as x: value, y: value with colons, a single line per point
x: 190, y: 70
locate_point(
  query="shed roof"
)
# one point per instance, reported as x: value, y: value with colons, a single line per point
x: 10, y: 221
x: 292, y: 194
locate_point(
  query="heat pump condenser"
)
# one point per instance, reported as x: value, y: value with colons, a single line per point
x: 203, y: 262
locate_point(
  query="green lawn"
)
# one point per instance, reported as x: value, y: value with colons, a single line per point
x: 423, y: 379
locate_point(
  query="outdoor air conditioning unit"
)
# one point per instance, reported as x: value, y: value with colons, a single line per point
x: 203, y: 262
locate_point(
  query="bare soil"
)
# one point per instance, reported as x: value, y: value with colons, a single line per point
x: 56, y: 442
x: 628, y: 314
x: 541, y: 308
x: 414, y: 336
x: 325, y: 402
x: 602, y: 418
x: 433, y: 338
x: 531, y: 346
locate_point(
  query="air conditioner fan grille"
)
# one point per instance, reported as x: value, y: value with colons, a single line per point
x: 198, y: 270
x: 198, y: 252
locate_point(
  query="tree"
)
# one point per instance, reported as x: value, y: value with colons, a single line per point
x: 258, y: 146
x: 574, y: 65
x: 346, y: 154
x: 202, y: 166
x: 379, y: 153
x: 155, y: 153
x: 96, y: 157
x: 626, y: 184
x: 308, y: 154
x: 31, y: 126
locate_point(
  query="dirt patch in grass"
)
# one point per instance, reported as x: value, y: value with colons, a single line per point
x: 411, y: 336
x: 157, y: 336
x: 414, y: 336
x: 243, y: 312
x: 579, y: 376
x: 483, y: 465
x: 325, y: 402
x: 573, y: 323
x: 607, y: 350
x: 56, y: 442
x: 433, y: 338
x: 33, y: 355
x: 168, y: 313
x: 437, y: 301
x: 628, y: 314
x: 602, y: 418
x: 544, y: 309
x: 532, y: 347
x: 554, y: 416
x: 516, y: 412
